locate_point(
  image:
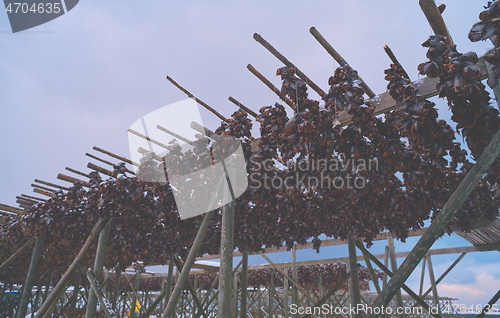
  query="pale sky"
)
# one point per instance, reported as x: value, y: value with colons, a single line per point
x: 81, y: 80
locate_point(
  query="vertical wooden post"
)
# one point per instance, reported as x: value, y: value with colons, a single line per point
x: 271, y: 298
x: 135, y: 292
x: 244, y: 284
x: 432, y: 278
x: 394, y: 267
x: 234, y: 306
x: 354, y: 294
x: 285, y: 296
x: 370, y: 269
x: 116, y: 288
x: 74, y: 297
x: 295, y: 291
x: 28, y: 284
x: 100, y: 256
x: 172, y: 302
x: 170, y: 277
x: 386, y: 264
x: 226, y: 261
x: 422, y: 278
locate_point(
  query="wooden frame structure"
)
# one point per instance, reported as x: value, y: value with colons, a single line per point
x: 179, y: 297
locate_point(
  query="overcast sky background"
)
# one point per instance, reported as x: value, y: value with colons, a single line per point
x: 81, y: 80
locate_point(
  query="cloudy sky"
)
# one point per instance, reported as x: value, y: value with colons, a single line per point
x: 81, y: 80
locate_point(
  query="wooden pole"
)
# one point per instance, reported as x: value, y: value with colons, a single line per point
x: 445, y: 273
x: 213, y: 111
x: 169, y: 310
x: 126, y: 160
x: 285, y: 297
x: 101, y: 223
x: 394, y: 267
x: 43, y: 188
x: 156, y: 142
x: 244, y: 284
x: 354, y: 293
x: 327, y: 46
x: 226, y: 262
x: 439, y: 224
x: 28, y: 284
x: 52, y: 185
x: 432, y: 279
x: 109, y: 163
x: 203, y: 130
x: 135, y: 292
x: 100, y: 257
x: 394, y: 60
x: 99, y: 169
x: 33, y: 198
x: 422, y: 280
x: 94, y: 283
x: 11, y: 209
x: 295, y: 292
x: 168, y: 131
x: 196, y: 301
x: 285, y: 61
x: 419, y: 300
x: 435, y: 19
x: 20, y: 251
x: 42, y: 192
x: 271, y: 86
x: 370, y: 269
x: 71, y: 179
x: 83, y: 174
x: 170, y: 277
x: 240, y: 105
x: 116, y: 288
x: 74, y: 297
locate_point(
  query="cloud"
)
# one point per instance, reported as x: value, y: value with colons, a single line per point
x: 487, y: 283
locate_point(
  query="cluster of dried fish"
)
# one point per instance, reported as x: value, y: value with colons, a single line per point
x: 308, y: 278
x: 489, y: 28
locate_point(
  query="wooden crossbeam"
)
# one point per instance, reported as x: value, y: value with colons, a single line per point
x: 334, y: 242
x: 441, y: 251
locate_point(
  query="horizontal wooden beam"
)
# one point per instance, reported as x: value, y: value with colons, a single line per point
x: 440, y: 251
x: 334, y: 242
